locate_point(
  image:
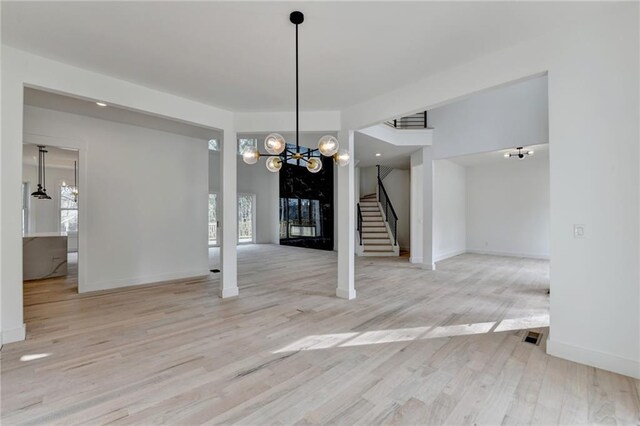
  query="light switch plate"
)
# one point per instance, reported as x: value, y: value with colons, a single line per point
x: 578, y: 231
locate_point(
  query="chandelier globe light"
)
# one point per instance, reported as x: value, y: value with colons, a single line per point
x: 314, y: 165
x: 342, y: 158
x: 274, y: 164
x: 250, y: 155
x: 328, y: 145
x: 276, y: 145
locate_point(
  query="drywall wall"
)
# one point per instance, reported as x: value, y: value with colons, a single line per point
x: 143, y: 209
x: 508, y: 208
x: 398, y: 186
x: 593, y: 81
x: 253, y: 179
x: 368, y: 180
x: 449, y: 209
x: 515, y: 115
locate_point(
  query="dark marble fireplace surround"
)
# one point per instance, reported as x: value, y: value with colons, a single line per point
x: 298, y: 183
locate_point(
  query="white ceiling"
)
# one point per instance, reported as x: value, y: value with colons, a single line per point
x: 239, y: 55
x: 540, y: 152
x: 55, y: 157
x: 366, y: 148
x: 39, y: 98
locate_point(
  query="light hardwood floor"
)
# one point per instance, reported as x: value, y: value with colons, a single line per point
x: 415, y: 347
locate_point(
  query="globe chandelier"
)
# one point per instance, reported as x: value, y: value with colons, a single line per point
x: 276, y: 146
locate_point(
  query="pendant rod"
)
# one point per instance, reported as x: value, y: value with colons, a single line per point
x: 297, y: 98
x: 39, y: 167
x: 44, y: 175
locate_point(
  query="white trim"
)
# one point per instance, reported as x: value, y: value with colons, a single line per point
x: 13, y: 335
x: 148, y: 279
x: 627, y: 367
x: 509, y: 254
x: 448, y: 255
x: 415, y: 259
x: 229, y: 292
x: 344, y: 294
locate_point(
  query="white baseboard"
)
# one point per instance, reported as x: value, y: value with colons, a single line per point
x: 346, y: 294
x: 13, y: 335
x: 508, y: 254
x: 449, y: 254
x: 627, y: 367
x: 229, y: 292
x: 419, y: 261
x: 148, y: 279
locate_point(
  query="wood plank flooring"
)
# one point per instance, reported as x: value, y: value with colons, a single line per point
x: 415, y: 347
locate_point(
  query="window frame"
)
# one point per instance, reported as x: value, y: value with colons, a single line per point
x: 61, y: 209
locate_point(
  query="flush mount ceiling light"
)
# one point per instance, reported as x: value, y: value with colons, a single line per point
x: 102, y: 104
x: 41, y: 192
x: 276, y: 146
x: 378, y: 154
x: 519, y: 154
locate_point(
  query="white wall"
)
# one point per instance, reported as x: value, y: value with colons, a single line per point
x: 143, y: 207
x: 254, y: 179
x: 368, y: 180
x: 515, y: 115
x: 398, y: 186
x: 449, y: 209
x: 593, y: 80
x: 508, y: 208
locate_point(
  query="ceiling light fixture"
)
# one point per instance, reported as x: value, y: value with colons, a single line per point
x: 520, y: 154
x: 276, y: 146
x: 102, y: 104
x: 41, y: 192
x: 378, y: 154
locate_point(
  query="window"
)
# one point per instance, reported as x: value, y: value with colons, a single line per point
x: 245, y: 143
x: 25, y: 207
x: 246, y: 221
x: 214, y: 145
x: 299, y: 218
x: 213, y: 219
x: 245, y: 218
x: 68, y: 209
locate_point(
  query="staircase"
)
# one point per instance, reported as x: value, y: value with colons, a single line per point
x: 376, y: 237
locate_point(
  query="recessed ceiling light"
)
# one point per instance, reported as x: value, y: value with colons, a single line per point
x: 101, y: 104
x: 378, y: 154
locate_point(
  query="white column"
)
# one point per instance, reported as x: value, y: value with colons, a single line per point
x: 422, y: 181
x: 427, y: 208
x: 346, y: 221
x: 415, y: 252
x: 229, y: 215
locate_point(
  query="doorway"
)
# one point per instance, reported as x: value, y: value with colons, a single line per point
x: 50, y: 218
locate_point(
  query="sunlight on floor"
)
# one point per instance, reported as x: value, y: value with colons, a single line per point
x: 33, y: 357
x: 343, y: 340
